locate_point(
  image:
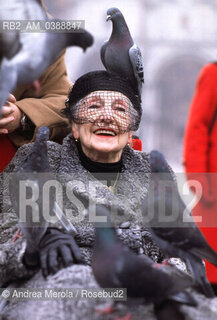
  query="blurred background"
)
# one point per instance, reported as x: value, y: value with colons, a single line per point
x: 176, y: 37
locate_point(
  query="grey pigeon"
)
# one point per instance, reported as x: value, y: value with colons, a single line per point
x: 37, y: 50
x: 174, y: 236
x: 30, y: 177
x: 116, y: 266
x: 120, y: 54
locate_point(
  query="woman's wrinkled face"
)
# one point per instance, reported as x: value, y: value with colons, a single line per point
x: 106, y: 119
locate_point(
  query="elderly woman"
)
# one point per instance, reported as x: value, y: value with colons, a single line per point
x: 95, y: 164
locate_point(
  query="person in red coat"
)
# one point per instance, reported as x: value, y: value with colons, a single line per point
x: 200, y: 156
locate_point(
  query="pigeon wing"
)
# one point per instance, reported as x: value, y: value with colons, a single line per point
x: 137, y: 64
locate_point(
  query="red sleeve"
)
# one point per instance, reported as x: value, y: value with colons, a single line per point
x: 200, y: 116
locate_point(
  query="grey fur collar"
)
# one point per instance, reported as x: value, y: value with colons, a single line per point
x: 130, y: 190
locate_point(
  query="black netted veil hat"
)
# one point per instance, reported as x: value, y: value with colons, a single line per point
x: 101, y: 80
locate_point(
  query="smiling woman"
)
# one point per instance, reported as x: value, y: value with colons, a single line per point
x: 106, y: 134
x: 95, y: 165
x: 103, y: 110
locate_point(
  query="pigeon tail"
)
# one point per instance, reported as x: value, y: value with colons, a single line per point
x: 198, y: 270
x: 184, y: 297
x: 180, y: 279
x: 205, y: 287
x: 206, y: 253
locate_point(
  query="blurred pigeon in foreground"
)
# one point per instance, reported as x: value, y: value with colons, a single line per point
x: 27, y: 183
x: 116, y: 266
x: 120, y: 54
x: 37, y: 50
x: 174, y: 236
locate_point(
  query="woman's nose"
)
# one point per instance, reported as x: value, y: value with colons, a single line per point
x: 107, y: 115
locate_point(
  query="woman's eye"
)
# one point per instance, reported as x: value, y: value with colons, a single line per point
x: 121, y: 109
x: 94, y: 106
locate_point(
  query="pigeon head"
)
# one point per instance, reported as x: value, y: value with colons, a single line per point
x: 43, y: 133
x: 37, y: 161
x: 158, y: 162
x: 83, y: 39
x: 113, y: 13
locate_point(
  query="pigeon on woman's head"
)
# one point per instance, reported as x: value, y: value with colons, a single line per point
x: 120, y: 54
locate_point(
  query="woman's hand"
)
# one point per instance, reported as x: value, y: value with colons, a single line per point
x: 57, y: 250
x: 10, y: 117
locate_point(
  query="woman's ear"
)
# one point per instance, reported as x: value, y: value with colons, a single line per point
x: 129, y: 138
x: 75, y: 130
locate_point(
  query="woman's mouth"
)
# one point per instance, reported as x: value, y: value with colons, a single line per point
x: 105, y: 132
